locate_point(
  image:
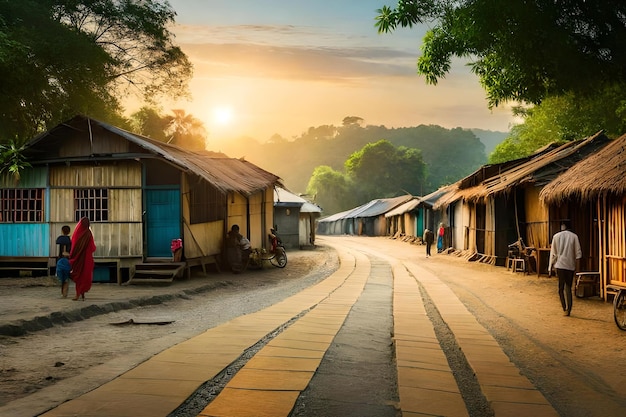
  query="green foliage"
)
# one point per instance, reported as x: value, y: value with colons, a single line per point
x: 381, y: 170
x: 61, y: 58
x: 565, y: 118
x: 449, y: 154
x: 521, y: 51
x: 179, y: 128
x: 331, y: 190
x: 12, y: 160
x: 378, y: 170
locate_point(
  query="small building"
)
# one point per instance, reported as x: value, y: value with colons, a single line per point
x: 295, y: 218
x: 500, y: 204
x: 365, y: 220
x: 407, y: 220
x: 139, y: 194
x: 593, y: 194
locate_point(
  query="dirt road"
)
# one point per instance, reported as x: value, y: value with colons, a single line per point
x: 578, y: 362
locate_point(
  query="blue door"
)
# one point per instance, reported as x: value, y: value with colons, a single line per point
x: 162, y: 221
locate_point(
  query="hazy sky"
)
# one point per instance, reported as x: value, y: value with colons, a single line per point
x: 282, y: 66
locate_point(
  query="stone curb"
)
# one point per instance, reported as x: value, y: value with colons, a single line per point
x: 22, y: 327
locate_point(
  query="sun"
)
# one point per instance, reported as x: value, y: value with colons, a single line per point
x: 222, y: 115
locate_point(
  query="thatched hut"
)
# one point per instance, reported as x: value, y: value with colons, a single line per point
x: 596, y: 188
x: 500, y: 203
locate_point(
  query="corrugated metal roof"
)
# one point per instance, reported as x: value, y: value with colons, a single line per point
x: 369, y: 209
x: 404, y: 208
x: 226, y: 174
x: 285, y: 198
x: 336, y: 216
x: 378, y: 207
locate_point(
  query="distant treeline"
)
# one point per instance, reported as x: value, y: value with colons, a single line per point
x: 449, y: 154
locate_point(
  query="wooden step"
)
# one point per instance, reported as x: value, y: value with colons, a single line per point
x: 156, y: 272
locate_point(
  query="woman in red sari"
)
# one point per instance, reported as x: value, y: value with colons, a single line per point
x: 81, y: 258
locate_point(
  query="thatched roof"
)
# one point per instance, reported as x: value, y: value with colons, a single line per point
x: 599, y: 174
x: 538, y: 169
x: 224, y: 173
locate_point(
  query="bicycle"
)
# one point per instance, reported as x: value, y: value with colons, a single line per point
x: 619, y: 308
x: 278, y: 258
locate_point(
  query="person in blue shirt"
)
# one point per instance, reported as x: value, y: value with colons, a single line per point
x: 63, y: 272
x: 64, y: 241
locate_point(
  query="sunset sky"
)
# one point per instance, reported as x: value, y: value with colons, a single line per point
x: 281, y: 66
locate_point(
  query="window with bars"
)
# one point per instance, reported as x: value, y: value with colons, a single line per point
x: 21, y: 205
x: 206, y: 204
x: 92, y: 203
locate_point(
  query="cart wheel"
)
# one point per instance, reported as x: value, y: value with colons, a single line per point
x: 619, y: 309
x: 280, y: 259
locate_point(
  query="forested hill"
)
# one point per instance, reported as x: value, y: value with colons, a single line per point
x: 449, y: 154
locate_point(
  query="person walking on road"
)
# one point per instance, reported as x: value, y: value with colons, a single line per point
x: 565, y: 254
x: 440, y: 233
x: 81, y: 258
x: 429, y: 238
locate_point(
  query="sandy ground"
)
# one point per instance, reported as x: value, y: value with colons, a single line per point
x: 52, y: 357
x: 578, y: 362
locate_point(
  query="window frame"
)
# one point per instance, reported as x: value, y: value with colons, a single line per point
x: 21, y: 205
x: 92, y: 203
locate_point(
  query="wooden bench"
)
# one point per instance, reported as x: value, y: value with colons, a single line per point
x: 202, y: 261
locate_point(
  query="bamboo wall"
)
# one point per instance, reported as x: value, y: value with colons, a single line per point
x: 490, y: 227
x: 122, y: 235
x: 614, y: 243
x: 537, y: 219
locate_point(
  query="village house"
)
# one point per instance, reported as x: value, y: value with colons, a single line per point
x: 295, y: 218
x: 139, y: 194
x: 593, y: 194
x: 499, y: 205
x: 365, y: 220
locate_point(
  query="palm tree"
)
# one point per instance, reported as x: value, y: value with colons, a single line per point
x: 12, y: 159
x: 185, y: 130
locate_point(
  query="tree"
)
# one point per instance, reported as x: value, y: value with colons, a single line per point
x: 520, y: 50
x: 59, y: 58
x: 186, y: 131
x: 352, y: 120
x: 12, y: 160
x: 564, y: 118
x: 148, y: 121
x: 178, y: 128
x: 330, y: 189
x: 382, y: 170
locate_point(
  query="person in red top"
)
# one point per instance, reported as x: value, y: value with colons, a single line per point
x: 440, y: 234
x: 81, y: 258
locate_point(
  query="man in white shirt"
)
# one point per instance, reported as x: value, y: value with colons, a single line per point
x: 565, y: 254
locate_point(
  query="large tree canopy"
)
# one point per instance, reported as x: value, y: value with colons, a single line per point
x: 382, y: 170
x: 521, y: 50
x: 62, y: 57
x: 564, y: 118
x: 378, y: 170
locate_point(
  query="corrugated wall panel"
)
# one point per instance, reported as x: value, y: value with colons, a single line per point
x: 29, y: 178
x: 122, y: 174
x: 118, y: 239
x: 125, y: 205
x: 62, y: 206
x: 25, y: 239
